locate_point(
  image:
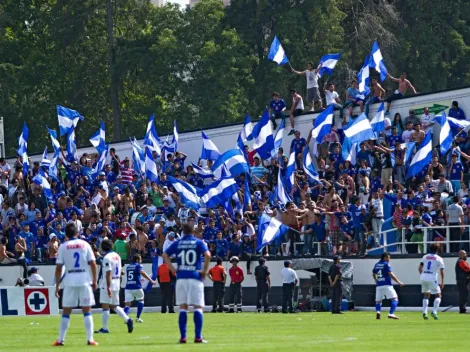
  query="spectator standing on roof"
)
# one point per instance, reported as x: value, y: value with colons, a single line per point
x: 313, y: 92
x: 403, y: 85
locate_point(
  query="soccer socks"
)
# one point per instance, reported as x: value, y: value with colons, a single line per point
x: 88, y: 321
x: 437, y: 303
x: 198, y: 320
x: 122, y: 314
x: 378, y: 306
x: 140, y: 308
x: 64, y: 325
x: 393, y: 306
x: 105, y: 319
x: 425, y: 305
x: 182, y: 321
x: 127, y: 310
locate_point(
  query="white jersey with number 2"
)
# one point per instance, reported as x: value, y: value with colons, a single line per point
x: 432, y: 264
x: 75, y: 255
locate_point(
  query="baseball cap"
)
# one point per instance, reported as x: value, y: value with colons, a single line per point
x: 102, y: 173
x: 287, y: 263
x: 336, y: 257
x: 234, y: 259
x: 33, y: 269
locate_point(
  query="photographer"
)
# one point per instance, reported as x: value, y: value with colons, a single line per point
x: 34, y: 278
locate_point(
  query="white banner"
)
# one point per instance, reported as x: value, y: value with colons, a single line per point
x: 28, y: 301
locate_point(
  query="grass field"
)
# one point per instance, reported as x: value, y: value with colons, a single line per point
x: 354, y: 331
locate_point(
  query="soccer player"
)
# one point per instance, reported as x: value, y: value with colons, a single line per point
x: 430, y: 267
x: 76, y: 257
x: 133, y: 290
x: 189, y: 278
x: 383, y: 276
x: 109, y: 288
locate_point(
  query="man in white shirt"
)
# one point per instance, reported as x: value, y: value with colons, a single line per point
x: 313, y: 92
x: 289, y: 281
x: 430, y: 268
x: 110, y: 285
x: 376, y: 204
x: 34, y: 278
x: 427, y: 120
x: 332, y: 97
x: 455, y: 219
x: 5, y: 172
x: 406, y: 135
x: 76, y: 258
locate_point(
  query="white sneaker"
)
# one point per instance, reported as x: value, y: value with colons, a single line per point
x: 139, y: 320
x: 393, y: 316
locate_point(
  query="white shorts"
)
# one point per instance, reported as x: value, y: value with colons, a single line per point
x: 133, y: 295
x: 78, y: 297
x: 104, y: 298
x: 431, y: 287
x: 384, y: 292
x: 190, y: 292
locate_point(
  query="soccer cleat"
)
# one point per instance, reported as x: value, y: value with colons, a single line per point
x: 58, y: 343
x: 130, y: 325
x: 102, y: 331
x: 393, y: 316
x: 139, y: 320
x: 377, y: 316
x: 434, y: 315
x: 200, y: 341
x: 92, y: 343
x: 425, y: 316
x: 182, y: 340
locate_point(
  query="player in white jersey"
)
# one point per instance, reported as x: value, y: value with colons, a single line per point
x: 110, y: 283
x: 76, y: 257
x: 430, y: 268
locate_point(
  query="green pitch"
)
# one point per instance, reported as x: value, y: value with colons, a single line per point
x: 353, y: 331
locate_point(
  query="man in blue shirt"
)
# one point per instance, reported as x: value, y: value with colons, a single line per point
x: 318, y: 227
x: 358, y: 212
x: 30, y: 240
x: 221, y: 246
x: 456, y: 112
x: 297, y: 145
x: 383, y: 276
x: 190, y: 275
x: 455, y: 173
x: 277, y: 106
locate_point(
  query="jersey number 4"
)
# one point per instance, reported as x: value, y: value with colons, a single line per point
x: 379, y: 274
x: 188, y: 257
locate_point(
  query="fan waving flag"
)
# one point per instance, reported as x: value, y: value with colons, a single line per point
x: 55, y: 141
x: 68, y: 119
x: 322, y: 124
x: 377, y: 62
x: 422, y: 158
x: 41, y: 180
x: 360, y: 130
x: 282, y: 195
x: 23, y: 140
x: 290, y: 169
x: 138, y: 157
x: 151, y: 140
x: 276, y: 53
x: 363, y: 78
x: 100, y: 164
x: 278, y: 137
x: 98, y: 139
x: 263, y: 134
x: 247, y: 130
x: 445, y: 138
x: 307, y: 163
x: 209, y: 149
x: 187, y: 192
x: 202, y: 173
x: 45, y: 160
x: 218, y: 192
x: 328, y: 63
x: 378, y: 122
x: 233, y: 160
x: 269, y: 229
x: 151, y: 171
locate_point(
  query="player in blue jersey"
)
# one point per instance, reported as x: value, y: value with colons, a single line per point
x: 189, y: 275
x: 133, y: 290
x: 383, y: 277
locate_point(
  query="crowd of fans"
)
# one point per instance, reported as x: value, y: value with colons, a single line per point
x: 342, y: 213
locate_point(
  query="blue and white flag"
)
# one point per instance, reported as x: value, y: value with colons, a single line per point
x: 328, y: 63
x: 55, y: 141
x: 378, y: 122
x: 282, y: 195
x: 276, y: 53
x: 68, y: 119
x: 456, y: 123
x: 233, y: 160
x: 377, y: 61
x: 98, y: 139
x: 53, y: 169
x: 278, y: 137
x: 247, y: 129
x: 151, y: 171
x: 71, y: 146
x: 360, y: 130
x: 241, y: 146
x: 410, y: 146
x: 187, y: 192
x: 363, y: 78
x: 209, y: 149
x: 445, y: 137
x: 307, y: 163
x: 422, y: 158
x: 23, y: 139
x: 247, y: 195
x: 45, y: 159
x: 41, y: 180
x: 349, y: 151
x: 138, y: 157
x: 175, y: 136
x: 151, y: 140
x: 201, y: 172
x: 290, y: 172
x: 100, y: 164
x: 263, y: 134
x: 269, y: 229
x: 218, y: 192
x: 322, y: 124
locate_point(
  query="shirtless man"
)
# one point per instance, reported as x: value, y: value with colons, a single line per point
x: 403, y: 85
x: 332, y: 196
x: 142, y: 238
x: 378, y: 94
x: 5, y: 256
x: 289, y: 218
x: 297, y: 109
x: 307, y: 215
x: 418, y: 135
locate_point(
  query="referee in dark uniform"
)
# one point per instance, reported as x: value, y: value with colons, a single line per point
x: 336, y: 282
x: 263, y: 284
x: 462, y: 275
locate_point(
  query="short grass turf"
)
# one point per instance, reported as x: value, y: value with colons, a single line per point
x: 353, y: 331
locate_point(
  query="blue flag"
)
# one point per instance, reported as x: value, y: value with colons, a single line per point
x: 269, y: 229
x: 68, y: 119
x: 276, y: 53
